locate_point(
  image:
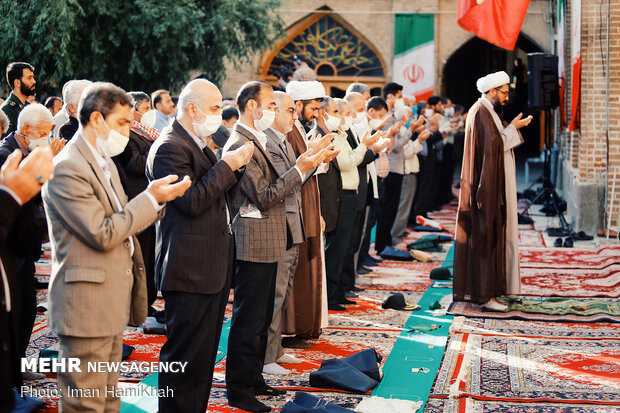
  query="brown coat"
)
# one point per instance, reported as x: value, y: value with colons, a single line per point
x: 480, y: 254
x: 303, y: 313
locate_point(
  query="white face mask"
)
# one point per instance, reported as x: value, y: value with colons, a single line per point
x: 348, y: 121
x: 449, y: 112
x: 114, y: 145
x: 399, y: 104
x: 332, y: 122
x: 359, y: 117
x: 265, y: 121
x: 38, y: 143
x: 207, y: 126
x: 428, y: 113
x: 374, y: 123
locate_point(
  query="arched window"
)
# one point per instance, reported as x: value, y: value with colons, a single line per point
x: 334, y: 49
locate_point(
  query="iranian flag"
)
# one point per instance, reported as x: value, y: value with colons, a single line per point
x: 414, y: 54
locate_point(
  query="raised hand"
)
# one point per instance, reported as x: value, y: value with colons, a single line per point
x: 368, y: 140
x: 26, y: 178
x: 239, y: 157
x: 57, y: 144
x: 519, y: 123
x: 163, y: 189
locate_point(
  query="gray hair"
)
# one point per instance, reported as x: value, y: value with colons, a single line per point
x: 33, y: 115
x: 192, y: 94
x: 4, y: 122
x: 325, y: 103
x: 137, y: 98
x: 341, y: 103
x: 72, y: 92
x: 357, y: 87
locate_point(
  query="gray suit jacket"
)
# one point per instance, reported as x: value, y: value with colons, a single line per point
x: 96, y: 286
x: 283, y: 161
x: 262, y: 238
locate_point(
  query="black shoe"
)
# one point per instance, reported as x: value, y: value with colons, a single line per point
x: 350, y: 294
x: 363, y: 270
x: 568, y: 243
x: 347, y: 302
x: 335, y: 307
x: 357, y: 289
x: 249, y: 405
x: 294, y: 342
x: 558, y: 243
x: 269, y: 391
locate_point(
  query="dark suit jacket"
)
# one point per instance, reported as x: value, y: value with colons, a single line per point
x: 133, y: 162
x: 330, y: 190
x: 67, y: 130
x: 261, y: 239
x: 30, y: 227
x: 9, y: 355
x: 193, y: 239
x: 364, y: 192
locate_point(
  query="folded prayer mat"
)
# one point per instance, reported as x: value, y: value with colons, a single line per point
x: 25, y: 403
x: 309, y: 403
x: 426, y: 243
x: 391, y: 253
x: 354, y: 373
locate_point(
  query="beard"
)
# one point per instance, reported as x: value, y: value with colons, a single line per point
x: 499, y: 108
x: 26, y: 91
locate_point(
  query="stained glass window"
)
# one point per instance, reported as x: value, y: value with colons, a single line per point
x: 331, y: 49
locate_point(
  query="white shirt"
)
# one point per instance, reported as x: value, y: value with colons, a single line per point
x: 260, y: 135
x: 104, y: 165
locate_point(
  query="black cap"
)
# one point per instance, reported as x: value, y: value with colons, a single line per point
x: 397, y: 302
x: 220, y: 136
x: 441, y: 273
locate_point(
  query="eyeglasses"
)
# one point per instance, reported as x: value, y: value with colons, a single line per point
x: 504, y: 92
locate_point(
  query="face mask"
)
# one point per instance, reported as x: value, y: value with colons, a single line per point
x: 449, y: 112
x: 374, y: 123
x: 36, y: 143
x: 403, y: 130
x: 332, y: 122
x: 399, y: 104
x: 112, y: 146
x: 348, y: 121
x: 207, y: 126
x: 401, y: 113
x: 359, y: 117
x: 265, y: 121
x: 428, y: 113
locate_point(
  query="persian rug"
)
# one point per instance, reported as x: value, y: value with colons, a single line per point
x: 568, y: 282
x: 577, y: 258
x: 530, y: 369
x: 580, y: 310
x: 538, y: 329
x: 531, y: 238
x: 468, y: 405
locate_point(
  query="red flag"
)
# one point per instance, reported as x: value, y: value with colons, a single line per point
x: 496, y: 21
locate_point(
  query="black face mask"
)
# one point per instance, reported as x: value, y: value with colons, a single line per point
x: 25, y: 90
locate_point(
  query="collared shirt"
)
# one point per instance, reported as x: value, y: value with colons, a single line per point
x: 104, y: 165
x: 260, y: 135
x: 202, y: 144
x: 161, y: 120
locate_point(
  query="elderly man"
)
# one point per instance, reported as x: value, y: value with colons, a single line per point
x: 71, y: 94
x: 19, y: 182
x: 20, y: 77
x: 486, y: 261
x: 260, y: 234
x: 284, y: 159
x: 360, y: 88
x: 164, y: 107
x: 34, y: 125
x: 97, y: 285
x: 306, y: 312
x: 195, y: 249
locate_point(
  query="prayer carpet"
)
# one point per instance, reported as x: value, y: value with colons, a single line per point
x: 571, y: 282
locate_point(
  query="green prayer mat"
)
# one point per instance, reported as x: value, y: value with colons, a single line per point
x: 410, y: 369
x: 148, y: 402
x: 562, y: 306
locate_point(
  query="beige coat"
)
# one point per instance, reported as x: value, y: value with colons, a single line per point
x: 96, y: 286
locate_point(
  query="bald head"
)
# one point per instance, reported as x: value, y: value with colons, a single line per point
x: 198, y: 99
x: 357, y: 102
x: 286, y: 113
x: 199, y: 92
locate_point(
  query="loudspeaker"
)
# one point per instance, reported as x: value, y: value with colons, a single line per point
x: 542, y: 77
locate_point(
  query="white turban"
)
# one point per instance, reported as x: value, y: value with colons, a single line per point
x: 305, y: 90
x: 488, y: 82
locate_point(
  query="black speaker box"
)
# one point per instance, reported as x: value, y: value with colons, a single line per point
x: 542, y: 78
